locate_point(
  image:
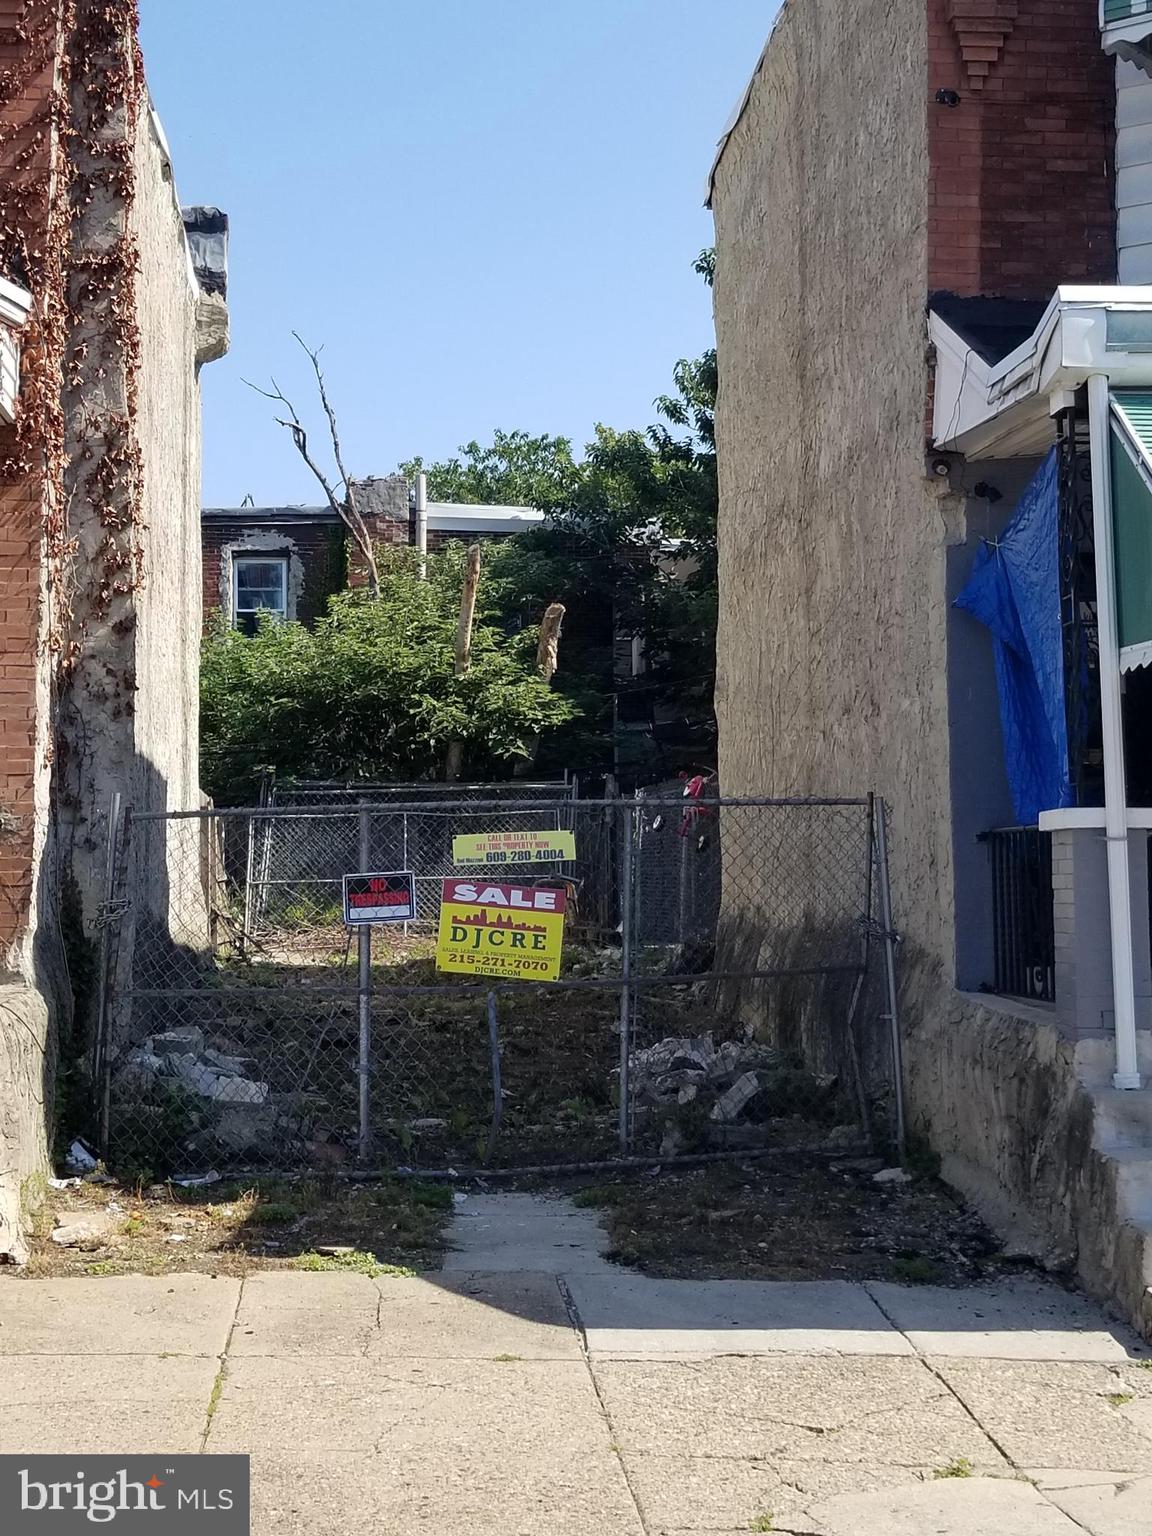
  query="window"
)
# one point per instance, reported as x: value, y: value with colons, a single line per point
x: 259, y: 585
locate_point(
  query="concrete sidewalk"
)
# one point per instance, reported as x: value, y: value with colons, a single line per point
x: 575, y: 1398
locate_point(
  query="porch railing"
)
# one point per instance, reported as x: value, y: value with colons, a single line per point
x: 1024, y: 941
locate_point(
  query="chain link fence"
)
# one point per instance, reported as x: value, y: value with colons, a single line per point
x: 722, y: 981
x: 298, y: 863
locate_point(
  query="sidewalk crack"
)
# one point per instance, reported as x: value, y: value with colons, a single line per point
x: 218, y: 1382
x: 949, y: 1389
x: 578, y: 1325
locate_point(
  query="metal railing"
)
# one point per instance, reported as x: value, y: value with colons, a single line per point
x: 1024, y: 940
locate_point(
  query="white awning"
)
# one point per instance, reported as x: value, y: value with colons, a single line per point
x: 1003, y: 409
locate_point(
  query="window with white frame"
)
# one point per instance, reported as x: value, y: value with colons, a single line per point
x: 259, y: 585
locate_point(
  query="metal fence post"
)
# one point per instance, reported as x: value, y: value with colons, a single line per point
x: 626, y: 883
x: 497, y: 1083
x: 881, y: 824
x: 405, y: 865
x: 249, y: 876
x: 364, y: 941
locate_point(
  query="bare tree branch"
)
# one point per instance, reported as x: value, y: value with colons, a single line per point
x: 341, y: 498
x: 462, y: 658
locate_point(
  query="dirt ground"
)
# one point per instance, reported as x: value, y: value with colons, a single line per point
x: 794, y: 1218
x: 787, y: 1217
x: 239, y: 1228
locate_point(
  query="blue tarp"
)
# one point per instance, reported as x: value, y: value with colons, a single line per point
x: 1014, y: 589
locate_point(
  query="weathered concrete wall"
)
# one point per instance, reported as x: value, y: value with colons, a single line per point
x: 1018, y: 1133
x: 168, y: 607
x: 25, y: 1108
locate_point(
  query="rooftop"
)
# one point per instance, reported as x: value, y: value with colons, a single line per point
x: 443, y: 517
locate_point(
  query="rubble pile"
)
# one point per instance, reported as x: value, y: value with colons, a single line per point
x: 238, y: 1110
x: 183, y: 1056
x: 721, y: 1088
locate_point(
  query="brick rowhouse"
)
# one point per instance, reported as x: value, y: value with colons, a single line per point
x: 27, y: 144
x: 1021, y: 167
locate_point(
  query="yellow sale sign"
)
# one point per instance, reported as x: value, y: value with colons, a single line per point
x: 510, y: 931
x: 519, y: 847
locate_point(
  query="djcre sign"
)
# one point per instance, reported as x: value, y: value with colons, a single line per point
x: 511, y: 931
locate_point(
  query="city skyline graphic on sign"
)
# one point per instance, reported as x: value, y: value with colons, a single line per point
x: 502, y: 920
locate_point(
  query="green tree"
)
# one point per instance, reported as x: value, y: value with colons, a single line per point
x: 629, y: 547
x: 514, y: 470
x: 370, y: 691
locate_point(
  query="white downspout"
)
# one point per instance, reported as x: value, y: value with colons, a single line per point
x: 1127, y: 1074
x: 422, y: 523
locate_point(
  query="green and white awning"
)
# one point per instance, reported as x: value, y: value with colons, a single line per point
x: 1125, y: 21
x: 1132, y: 523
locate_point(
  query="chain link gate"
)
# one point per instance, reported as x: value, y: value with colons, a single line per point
x: 726, y: 980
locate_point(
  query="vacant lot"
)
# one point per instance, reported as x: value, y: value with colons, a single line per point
x: 793, y: 1218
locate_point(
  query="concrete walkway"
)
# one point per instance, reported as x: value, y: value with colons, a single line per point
x: 532, y: 1389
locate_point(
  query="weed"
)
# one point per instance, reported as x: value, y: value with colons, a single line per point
x: 1119, y: 1399
x: 33, y: 1191
x: 961, y: 1467
x: 595, y: 1194
x: 101, y: 1267
x: 214, y: 1400
x: 917, y: 1271
x: 356, y: 1263
x: 436, y: 1197
x: 273, y: 1213
x: 133, y: 1226
x: 762, y: 1523
x: 506, y: 1359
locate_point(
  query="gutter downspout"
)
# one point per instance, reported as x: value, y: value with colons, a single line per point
x: 422, y: 524
x: 1127, y: 1074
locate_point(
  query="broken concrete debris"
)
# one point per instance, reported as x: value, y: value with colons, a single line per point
x: 892, y: 1176
x: 183, y: 1055
x: 727, y: 1084
x: 80, y: 1160
x: 90, y: 1228
x: 734, y: 1099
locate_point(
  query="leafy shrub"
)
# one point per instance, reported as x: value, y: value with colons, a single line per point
x: 369, y: 691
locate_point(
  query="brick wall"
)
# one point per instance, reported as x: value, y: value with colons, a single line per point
x: 22, y: 516
x: 1021, y: 185
x: 319, y: 547
x: 327, y: 560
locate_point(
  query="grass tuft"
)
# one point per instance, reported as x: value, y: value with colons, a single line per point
x: 355, y: 1263
x: 961, y: 1467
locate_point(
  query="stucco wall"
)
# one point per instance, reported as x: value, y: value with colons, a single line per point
x: 168, y: 607
x: 831, y: 635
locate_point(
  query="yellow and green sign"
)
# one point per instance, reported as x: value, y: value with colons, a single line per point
x: 519, y: 847
x: 514, y: 932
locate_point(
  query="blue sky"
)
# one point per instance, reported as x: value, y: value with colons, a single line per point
x: 485, y: 210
